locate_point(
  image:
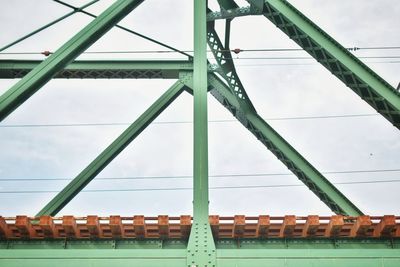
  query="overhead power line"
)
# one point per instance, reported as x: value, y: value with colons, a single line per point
x: 236, y: 51
x: 189, y: 176
x: 183, y: 122
x: 189, y: 188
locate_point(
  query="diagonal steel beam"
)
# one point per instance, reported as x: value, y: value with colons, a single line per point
x: 94, y: 168
x: 360, y: 78
x: 40, y: 75
x: 310, y: 176
x: 102, y: 69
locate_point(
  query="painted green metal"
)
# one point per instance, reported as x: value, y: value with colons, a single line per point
x: 48, y: 25
x: 201, y: 248
x: 293, y: 244
x: 310, y: 176
x: 94, y: 168
x: 227, y: 68
x: 40, y: 75
x: 379, y: 94
x: 102, y: 69
x: 129, y: 30
x: 232, y: 13
x: 227, y: 4
x: 230, y: 252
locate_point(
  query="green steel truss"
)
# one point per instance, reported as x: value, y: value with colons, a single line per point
x: 106, y: 69
x: 197, y: 77
x: 379, y: 94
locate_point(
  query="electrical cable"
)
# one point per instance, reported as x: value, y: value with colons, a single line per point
x: 182, y: 122
x: 189, y: 176
x: 191, y: 51
x: 189, y: 188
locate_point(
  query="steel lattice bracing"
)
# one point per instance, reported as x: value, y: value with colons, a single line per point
x: 201, y: 240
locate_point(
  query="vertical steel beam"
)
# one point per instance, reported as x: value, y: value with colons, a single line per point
x: 200, y: 164
x: 201, y: 247
x: 94, y: 168
x: 40, y: 75
x: 349, y: 69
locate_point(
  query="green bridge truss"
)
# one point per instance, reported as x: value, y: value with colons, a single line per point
x: 197, y: 77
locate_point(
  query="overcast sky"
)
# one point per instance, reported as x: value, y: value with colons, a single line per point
x: 278, y: 89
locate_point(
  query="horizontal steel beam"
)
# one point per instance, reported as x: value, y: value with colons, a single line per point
x: 102, y: 69
x: 230, y: 252
x: 232, y: 13
x: 225, y: 245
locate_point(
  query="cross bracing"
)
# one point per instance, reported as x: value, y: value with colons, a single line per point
x: 198, y: 79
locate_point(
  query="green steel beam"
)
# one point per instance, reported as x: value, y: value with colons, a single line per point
x: 301, y: 252
x: 102, y: 69
x: 339, y: 243
x: 227, y: 4
x: 227, y: 33
x: 310, y: 176
x: 227, y: 68
x: 232, y: 13
x: 94, y: 168
x: 48, y: 25
x: 360, y: 78
x: 40, y: 75
x: 201, y: 247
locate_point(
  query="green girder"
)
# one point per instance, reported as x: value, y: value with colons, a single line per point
x: 227, y: 4
x: 102, y: 69
x: 230, y: 252
x: 201, y: 248
x: 356, y: 75
x: 40, y: 75
x: 313, y: 179
x: 95, y: 167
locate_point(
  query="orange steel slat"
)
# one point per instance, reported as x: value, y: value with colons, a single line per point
x: 311, y: 226
x: 24, y: 227
x: 335, y: 226
x: 163, y: 227
x: 116, y: 227
x: 385, y: 227
x: 46, y: 223
x: 70, y: 227
x: 214, y: 224
x: 361, y: 226
x: 139, y: 226
x: 239, y: 223
x: 93, y: 226
x: 262, y: 226
x: 288, y: 226
x: 185, y: 225
x: 4, y: 229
